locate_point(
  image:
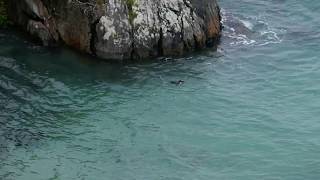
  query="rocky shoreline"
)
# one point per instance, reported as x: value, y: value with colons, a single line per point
x: 121, y: 29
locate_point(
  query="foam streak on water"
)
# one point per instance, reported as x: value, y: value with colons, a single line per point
x: 249, y: 111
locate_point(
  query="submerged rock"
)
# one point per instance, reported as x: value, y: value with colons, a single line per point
x: 122, y: 29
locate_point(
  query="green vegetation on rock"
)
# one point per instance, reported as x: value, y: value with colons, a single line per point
x: 132, y: 14
x: 100, y: 3
x: 3, y: 13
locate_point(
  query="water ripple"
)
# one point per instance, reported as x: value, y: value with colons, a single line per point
x: 248, y: 111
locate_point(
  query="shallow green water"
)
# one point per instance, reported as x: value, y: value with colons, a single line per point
x: 248, y: 111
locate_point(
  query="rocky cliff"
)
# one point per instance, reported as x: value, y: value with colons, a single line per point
x: 121, y: 29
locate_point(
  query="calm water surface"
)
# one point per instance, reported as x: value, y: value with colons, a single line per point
x: 249, y: 111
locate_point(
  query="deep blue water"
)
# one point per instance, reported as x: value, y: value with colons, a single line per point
x: 249, y: 111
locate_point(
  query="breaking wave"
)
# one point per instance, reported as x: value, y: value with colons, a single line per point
x: 249, y: 31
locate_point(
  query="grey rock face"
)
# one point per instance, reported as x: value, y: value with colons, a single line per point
x: 122, y: 29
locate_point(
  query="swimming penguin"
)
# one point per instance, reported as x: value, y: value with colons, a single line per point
x: 179, y: 82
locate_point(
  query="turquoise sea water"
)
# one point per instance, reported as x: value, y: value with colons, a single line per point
x: 249, y: 111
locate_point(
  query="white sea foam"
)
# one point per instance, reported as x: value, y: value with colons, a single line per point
x: 248, y: 24
x: 249, y: 31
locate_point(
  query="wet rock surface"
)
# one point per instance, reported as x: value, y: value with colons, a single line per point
x: 122, y: 29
